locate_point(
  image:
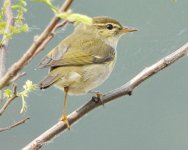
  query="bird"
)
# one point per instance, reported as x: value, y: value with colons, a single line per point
x: 84, y: 59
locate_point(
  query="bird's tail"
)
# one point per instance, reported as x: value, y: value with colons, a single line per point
x: 48, y: 81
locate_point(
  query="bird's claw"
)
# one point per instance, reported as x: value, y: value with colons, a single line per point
x: 97, y: 98
x: 65, y: 120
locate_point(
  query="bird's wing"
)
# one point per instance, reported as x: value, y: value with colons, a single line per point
x: 56, y: 54
x: 70, y: 56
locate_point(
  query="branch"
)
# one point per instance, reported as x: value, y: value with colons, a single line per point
x: 125, y: 89
x: 18, y: 76
x: 8, y: 101
x: 59, y: 25
x: 14, y: 125
x: 35, y: 48
x: 5, y: 40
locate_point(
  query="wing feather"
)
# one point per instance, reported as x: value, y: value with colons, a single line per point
x: 64, y: 55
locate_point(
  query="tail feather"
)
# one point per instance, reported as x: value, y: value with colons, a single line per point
x: 47, y: 81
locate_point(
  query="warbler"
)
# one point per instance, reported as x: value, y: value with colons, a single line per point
x: 84, y: 59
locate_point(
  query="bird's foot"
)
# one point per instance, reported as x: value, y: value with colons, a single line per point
x: 97, y: 98
x: 65, y: 120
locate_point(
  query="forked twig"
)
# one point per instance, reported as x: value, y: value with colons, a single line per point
x: 14, y: 125
x: 9, y: 101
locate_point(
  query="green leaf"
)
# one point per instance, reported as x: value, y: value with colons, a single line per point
x: 24, y: 105
x: 76, y: 18
x: 16, y: 6
x: 72, y: 17
x: 19, y: 25
x: 25, y: 28
x: 28, y: 87
x: 7, y: 93
x: 24, y: 3
x: 49, y: 4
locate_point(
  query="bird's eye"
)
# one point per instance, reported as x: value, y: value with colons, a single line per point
x: 109, y: 26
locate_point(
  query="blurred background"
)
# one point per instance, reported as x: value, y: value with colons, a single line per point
x: 155, y: 117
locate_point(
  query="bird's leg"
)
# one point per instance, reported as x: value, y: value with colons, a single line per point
x: 64, y: 115
x: 97, y: 98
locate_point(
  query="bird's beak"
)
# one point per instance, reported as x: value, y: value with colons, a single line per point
x: 129, y: 29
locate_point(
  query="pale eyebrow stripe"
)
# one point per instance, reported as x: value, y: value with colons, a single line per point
x: 100, y: 24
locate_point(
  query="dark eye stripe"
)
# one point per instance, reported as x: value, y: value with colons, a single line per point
x: 100, y: 25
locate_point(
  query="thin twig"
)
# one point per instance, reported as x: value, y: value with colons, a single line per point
x: 18, y: 76
x: 61, y: 24
x: 9, y: 101
x: 125, y: 89
x: 15, y: 124
x: 35, y: 48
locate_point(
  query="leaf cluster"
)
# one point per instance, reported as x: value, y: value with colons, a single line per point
x: 28, y: 87
x: 75, y: 18
x: 18, y: 25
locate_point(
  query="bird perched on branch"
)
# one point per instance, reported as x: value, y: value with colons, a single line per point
x: 84, y: 59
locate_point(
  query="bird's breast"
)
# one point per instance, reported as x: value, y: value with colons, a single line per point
x: 93, y: 76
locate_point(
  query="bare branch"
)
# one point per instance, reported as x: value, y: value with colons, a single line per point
x: 61, y: 24
x: 7, y: 103
x: 14, y: 125
x: 35, y: 48
x: 125, y: 89
x: 18, y: 76
x: 2, y: 60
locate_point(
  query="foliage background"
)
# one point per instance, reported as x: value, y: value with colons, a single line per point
x: 154, y: 117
